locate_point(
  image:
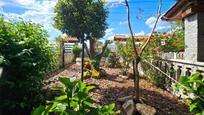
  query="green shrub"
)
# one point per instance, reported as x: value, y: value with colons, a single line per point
x: 153, y: 75
x: 74, y: 100
x: 107, y: 52
x: 193, y: 84
x: 76, y: 50
x: 113, y: 60
x: 27, y: 58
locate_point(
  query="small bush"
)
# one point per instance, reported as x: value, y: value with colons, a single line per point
x: 90, y: 70
x: 76, y: 50
x: 107, y: 52
x: 113, y: 60
x: 153, y: 75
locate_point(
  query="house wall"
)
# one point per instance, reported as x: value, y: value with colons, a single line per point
x: 191, y: 33
x: 194, y: 37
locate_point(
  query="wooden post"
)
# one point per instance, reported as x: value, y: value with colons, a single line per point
x: 82, y: 59
x: 62, y: 53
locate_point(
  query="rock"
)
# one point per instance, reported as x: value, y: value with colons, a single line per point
x: 130, y: 74
x: 144, y: 109
x: 129, y: 107
x: 103, y: 73
x: 78, y: 61
x: 126, y: 98
x: 123, y: 76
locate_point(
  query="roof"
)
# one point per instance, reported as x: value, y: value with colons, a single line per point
x: 182, y: 9
x: 71, y: 39
x: 163, y: 35
x: 166, y: 35
x: 120, y: 37
x: 125, y: 37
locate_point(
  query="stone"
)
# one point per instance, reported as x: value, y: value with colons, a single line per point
x: 129, y: 107
x: 130, y: 73
x: 126, y: 98
x: 144, y: 109
x: 78, y: 61
x: 123, y: 76
x: 194, y: 37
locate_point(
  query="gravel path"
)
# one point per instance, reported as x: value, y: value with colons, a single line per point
x: 111, y: 87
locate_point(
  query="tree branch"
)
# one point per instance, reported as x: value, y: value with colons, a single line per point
x: 153, y: 29
x: 105, y: 46
x: 130, y: 28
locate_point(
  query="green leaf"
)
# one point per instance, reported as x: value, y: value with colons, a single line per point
x: 195, y: 76
x: 74, y: 102
x: 38, y: 111
x: 60, y: 106
x: 88, y: 88
x: 60, y: 98
x: 184, y: 80
x: 111, y: 106
x: 65, y: 81
x: 57, y: 88
x: 193, y: 106
x: 81, y: 86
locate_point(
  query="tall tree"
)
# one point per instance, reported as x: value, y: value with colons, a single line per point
x: 84, y: 19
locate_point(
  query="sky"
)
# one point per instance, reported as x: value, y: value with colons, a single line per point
x: 143, y: 15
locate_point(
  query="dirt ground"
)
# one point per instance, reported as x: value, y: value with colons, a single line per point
x: 111, y: 87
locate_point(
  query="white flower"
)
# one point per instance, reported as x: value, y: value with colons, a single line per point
x: 21, y: 42
x: 34, y: 64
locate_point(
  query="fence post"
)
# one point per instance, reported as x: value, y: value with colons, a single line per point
x: 178, y: 72
x: 187, y: 72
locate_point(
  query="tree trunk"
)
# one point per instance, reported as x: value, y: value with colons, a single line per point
x: 137, y: 80
x: 135, y: 64
x: 137, y: 56
x: 62, y: 52
x: 99, y: 56
x: 92, y: 47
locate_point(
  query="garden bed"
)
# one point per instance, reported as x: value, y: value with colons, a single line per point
x: 111, y: 87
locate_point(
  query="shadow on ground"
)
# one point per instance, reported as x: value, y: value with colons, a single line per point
x: 162, y: 104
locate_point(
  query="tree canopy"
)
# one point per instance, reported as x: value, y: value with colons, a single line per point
x: 81, y: 17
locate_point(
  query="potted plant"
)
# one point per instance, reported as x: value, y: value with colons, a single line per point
x: 76, y: 50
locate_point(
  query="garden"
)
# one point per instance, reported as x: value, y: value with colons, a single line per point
x: 99, y: 80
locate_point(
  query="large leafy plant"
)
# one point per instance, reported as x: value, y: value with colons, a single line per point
x: 74, y: 100
x: 193, y: 84
x: 26, y: 57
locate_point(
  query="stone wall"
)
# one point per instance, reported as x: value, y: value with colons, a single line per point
x: 191, y: 37
x: 194, y: 37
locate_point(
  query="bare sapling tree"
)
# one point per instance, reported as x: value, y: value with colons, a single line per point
x: 139, y: 51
